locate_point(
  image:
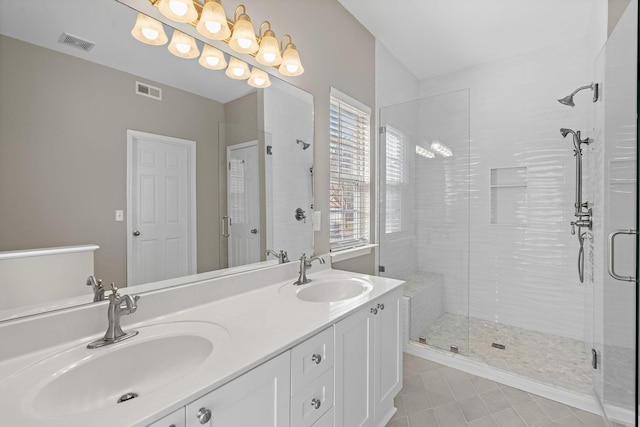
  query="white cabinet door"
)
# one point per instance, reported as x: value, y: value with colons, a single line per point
x: 353, y: 365
x: 387, y: 360
x: 259, y: 398
x: 368, y: 363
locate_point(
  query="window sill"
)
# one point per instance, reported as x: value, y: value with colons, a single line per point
x: 351, y: 253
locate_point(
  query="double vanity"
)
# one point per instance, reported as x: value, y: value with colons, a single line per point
x: 249, y: 349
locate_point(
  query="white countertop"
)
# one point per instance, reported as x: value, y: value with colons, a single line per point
x: 259, y: 324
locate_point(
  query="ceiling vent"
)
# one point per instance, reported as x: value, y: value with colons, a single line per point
x: 148, y: 91
x: 76, y: 42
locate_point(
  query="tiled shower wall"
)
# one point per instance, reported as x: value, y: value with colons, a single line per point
x: 522, y: 274
x: 287, y: 118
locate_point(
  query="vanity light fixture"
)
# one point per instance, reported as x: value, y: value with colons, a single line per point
x: 259, y: 78
x: 209, y: 19
x: 178, y: 10
x: 213, y: 21
x: 212, y: 58
x: 441, y: 149
x: 291, y: 65
x: 243, y: 37
x: 269, y: 51
x: 149, y: 31
x: 183, y: 45
x: 237, y: 69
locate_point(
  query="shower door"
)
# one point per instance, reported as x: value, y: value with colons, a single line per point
x: 615, y: 154
x: 424, y: 215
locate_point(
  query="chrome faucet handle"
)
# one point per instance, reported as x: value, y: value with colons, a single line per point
x: 114, y: 289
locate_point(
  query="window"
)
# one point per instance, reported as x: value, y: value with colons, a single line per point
x: 394, y: 178
x: 349, y: 172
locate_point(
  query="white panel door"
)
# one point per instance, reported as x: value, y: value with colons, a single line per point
x: 243, y: 203
x: 161, y: 211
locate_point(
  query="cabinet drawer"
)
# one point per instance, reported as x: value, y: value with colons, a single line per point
x: 174, y: 419
x: 313, y: 401
x: 311, y: 358
x: 259, y: 397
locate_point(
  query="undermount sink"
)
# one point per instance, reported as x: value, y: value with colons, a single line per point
x: 333, y: 290
x: 79, y: 380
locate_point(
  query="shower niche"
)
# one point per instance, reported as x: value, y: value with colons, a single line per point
x: 509, y: 196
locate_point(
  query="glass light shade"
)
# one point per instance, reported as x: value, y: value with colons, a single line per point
x: 212, y: 58
x: 441, y: 149
x: 149, y: 31
x: 178, y: 10
x: 237, y: 69
x: 291, y: 65
x: 269, y: 52
x: 213, y: 21
x: 183, y: 45
x: 243, y: 37
x: 259, y: 78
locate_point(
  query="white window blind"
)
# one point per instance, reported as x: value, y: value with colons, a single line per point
x: 349, y: 174
x: 394, y: 179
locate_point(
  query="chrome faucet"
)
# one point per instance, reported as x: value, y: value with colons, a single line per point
x: 304, y: 264
x: 114, y: 332
x: 282, y: 256
x: 96, y: 286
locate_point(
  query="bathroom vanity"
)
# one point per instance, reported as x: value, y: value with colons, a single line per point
x: 249, y: 349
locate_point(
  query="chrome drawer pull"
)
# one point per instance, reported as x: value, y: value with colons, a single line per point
x: 204, y: 415
x: 316, y: 358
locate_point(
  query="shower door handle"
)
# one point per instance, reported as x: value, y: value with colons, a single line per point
x: 611, y: 255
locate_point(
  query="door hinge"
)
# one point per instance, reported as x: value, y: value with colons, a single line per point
x: 381, y: 269
x: 382, y: 129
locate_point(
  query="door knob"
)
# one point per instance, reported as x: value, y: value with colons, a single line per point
x: 136, y: 233
x: 254, y: 231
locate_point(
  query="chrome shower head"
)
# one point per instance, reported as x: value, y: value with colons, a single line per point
x: 568, y: 100
x: 305, y: 145
x: 565, y: 132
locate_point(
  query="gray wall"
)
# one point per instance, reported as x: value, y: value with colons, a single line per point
x: 63, y: 124
x: 336, y: 50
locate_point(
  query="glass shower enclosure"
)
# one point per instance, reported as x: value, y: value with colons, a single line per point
x: 424, y: 214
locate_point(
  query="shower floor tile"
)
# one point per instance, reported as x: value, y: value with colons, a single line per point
x: 557, y: 361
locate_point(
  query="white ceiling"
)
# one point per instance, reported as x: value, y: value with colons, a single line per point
x: 108, y: 24
x: 435, y: 37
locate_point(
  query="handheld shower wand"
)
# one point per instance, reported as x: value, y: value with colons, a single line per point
x: 583, y: 217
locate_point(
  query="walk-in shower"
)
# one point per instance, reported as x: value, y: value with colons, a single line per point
x: 480, y: 235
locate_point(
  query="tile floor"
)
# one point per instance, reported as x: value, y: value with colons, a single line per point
x: 438, y: 396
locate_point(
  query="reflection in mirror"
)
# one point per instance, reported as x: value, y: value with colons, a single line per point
x: 65, y: 119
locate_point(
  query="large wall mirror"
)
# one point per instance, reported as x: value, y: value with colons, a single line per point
x: 78, y: 147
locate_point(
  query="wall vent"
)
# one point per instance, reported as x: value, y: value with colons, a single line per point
x: 76, y: 42
x: 149, y: 91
